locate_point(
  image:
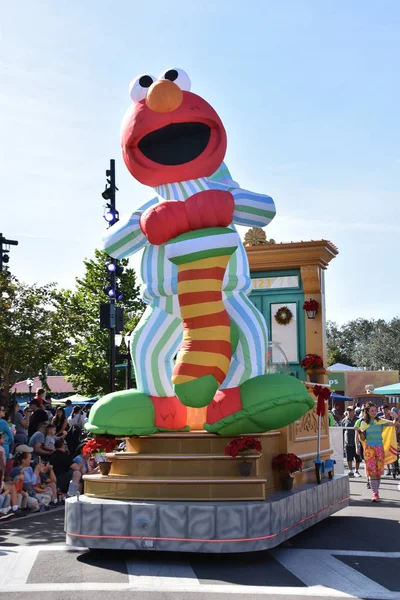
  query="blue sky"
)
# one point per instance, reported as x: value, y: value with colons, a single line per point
x: 308, y: 92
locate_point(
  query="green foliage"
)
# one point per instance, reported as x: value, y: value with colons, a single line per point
x: 374, y: 344
x: 84, y: 358
x: 29, y: 330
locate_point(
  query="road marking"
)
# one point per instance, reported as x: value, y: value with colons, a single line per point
x: 24, y: 559
x: 179, y: 575
x: 367, y: 553
x: 313, y: 566
x: 310, y: 566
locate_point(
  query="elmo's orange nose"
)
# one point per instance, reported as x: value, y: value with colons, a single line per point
x: 164, y: 96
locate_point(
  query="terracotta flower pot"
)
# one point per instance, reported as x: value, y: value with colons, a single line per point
x: 245, y: 468
x: 104, y: 468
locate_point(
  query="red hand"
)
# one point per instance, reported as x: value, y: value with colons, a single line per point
x: 167, y: 220
x: 212, y: 208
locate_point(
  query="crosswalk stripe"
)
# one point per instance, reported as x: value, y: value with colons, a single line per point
x: 163, y: 574
x: 309, y: 566
x: 312, y: 565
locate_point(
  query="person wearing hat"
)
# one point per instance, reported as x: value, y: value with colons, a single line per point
x: 350, y: 442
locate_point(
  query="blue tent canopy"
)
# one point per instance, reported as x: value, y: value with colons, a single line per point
x: 339, y: 398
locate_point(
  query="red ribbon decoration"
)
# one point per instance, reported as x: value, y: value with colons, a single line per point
x: 322, y: 393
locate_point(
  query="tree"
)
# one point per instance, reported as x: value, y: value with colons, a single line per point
x: 28, y: 329
x: 84, y: 358
x: 382, y: 349
x: 365, y: 343
x: 337, y: 349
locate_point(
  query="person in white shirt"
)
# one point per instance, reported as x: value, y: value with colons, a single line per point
x: 77, y: 418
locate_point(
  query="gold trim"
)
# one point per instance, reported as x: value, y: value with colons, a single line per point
x: 196, y: 457
x: 122, y: 480
x: 200, y: 434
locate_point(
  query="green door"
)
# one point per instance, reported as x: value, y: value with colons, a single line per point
x: 273, y: 290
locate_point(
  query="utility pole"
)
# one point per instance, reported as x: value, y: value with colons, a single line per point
x: 4, y: 257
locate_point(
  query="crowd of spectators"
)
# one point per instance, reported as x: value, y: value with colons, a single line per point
x: 41, y: 460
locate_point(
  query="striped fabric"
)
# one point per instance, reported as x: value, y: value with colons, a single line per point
x: 182, y: 190
x: 154, y: 344
x: 160, y: 276
x: 125, y: 237
x: 249, y: 358
x: 206, y: 347
x: 156, y: 340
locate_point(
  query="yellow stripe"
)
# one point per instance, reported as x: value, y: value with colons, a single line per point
x: 220, y: 332
x: 204, y: 359
x: 205, y: 285
x: 181, y: 379
x: 204, y: 309
x: 206, y: 263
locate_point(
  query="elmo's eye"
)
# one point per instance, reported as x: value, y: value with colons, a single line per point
x: 139, y: 86
x: 178, y: 76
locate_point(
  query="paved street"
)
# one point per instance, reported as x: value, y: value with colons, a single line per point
x: 355, y: 553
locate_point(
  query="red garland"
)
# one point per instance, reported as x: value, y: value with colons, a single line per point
x: 312, y: 361
x: 239, y: 445
x: 288, y: 463
x: 322, y: 393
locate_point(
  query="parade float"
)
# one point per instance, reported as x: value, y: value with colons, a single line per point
x: 216, y: 432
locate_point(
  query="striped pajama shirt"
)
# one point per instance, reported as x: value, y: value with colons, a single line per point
x: 158, y: 335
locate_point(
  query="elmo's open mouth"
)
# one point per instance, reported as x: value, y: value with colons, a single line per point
x: 176, y: 144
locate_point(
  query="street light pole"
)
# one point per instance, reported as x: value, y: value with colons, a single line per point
x: 4, y: 258
x: 128, y: 379
x: 110, y: 195
x: 29, y: 383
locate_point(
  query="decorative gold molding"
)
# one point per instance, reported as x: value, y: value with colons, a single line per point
x: 310, y: 277
x: 307, y: 427
x: 291, y: 256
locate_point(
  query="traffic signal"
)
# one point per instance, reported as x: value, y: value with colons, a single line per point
x: 111, y: 317
x: 114, y: 271
x: 4, y: 250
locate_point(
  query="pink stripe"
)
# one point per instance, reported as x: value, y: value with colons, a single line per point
x: 171, y: 539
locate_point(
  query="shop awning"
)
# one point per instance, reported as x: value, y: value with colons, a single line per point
x: 339, y: 398
x: 388, y: 390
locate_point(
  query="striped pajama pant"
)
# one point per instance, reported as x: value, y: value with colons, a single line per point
x: 158, y: 335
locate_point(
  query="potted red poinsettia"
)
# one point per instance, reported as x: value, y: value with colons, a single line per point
x: 241, y: 447
x: 287, y: 464
x: 98, y: 446
x: 314, y: 366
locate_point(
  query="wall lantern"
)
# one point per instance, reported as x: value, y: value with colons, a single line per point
x: 311, y: 308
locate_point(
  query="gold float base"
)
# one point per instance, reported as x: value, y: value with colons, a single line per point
x: 178, y: 466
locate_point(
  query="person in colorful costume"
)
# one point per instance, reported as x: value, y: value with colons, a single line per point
x: 196, y: 277
x: 378, y: 437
